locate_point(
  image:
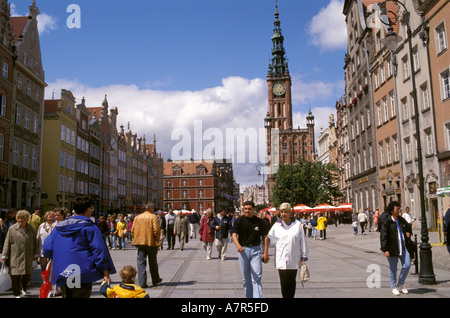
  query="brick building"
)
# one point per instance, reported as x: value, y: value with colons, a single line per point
x: 198, y: 185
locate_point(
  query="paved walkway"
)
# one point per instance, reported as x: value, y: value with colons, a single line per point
x: 342, y: 266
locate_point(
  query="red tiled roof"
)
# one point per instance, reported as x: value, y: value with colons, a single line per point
x: 189, y: 167
x: 18, y: 25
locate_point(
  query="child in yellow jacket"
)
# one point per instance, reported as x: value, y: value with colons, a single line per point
x: 125, y: 289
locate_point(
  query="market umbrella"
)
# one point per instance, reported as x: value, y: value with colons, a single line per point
x: 345, y: 207
x: 302, y: 208
x: 445, y: 191
x: 324, y: 207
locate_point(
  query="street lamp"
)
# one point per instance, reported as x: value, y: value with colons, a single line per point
x: 426, y: 273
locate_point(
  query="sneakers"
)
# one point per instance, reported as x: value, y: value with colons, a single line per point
x: 396, y: 291
x: 403, y: 290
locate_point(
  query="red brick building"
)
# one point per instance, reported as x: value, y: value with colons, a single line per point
x: 198, y: 185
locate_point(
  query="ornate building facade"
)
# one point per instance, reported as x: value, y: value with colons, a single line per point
x: 292, y: 143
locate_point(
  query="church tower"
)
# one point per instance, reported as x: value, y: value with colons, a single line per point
x: 285, y: 144
x: 279, y: 81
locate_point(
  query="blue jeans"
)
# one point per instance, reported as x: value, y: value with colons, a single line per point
x: 406, y: 264
x: 250, y: 260
x: 112, y: 240
x: 121, y: 242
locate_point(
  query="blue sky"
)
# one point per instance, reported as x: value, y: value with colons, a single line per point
x: 166, y: 64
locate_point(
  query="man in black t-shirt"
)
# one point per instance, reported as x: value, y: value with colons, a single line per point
x: 248, y: 233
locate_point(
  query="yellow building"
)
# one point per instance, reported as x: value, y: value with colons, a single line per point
x: 59, y: 152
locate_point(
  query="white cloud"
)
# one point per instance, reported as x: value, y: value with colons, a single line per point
x: 328, y: 28
x: 303, y: 91
x: 238, y: 103
x: 46, y: 23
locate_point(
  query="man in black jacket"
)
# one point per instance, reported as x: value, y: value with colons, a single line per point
x: 222, y: 224
x: 194, y: 219
x: 395, y: 231
x: 447, y: 229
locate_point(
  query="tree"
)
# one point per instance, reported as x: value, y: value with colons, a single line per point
x: 311, y: 183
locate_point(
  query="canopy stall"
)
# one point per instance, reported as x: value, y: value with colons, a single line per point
x: 442, y: 192
x: 324, y: 208
x: 345, y: 207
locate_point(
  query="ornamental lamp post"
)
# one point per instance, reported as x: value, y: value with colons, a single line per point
x: 391, y: 41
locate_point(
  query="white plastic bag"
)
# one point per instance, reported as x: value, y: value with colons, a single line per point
x: 5, y: 279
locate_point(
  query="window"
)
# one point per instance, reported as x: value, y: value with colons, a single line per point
x: 405, y: 109
x: 376, y: 80
x: 33, y: 158
x: 61, y: 158
x: 441, y: 38
x: 378, y: 114
x: 382, y: 74
x: 429, y: 140
x: 19, y: 82
x: 365, y: 158
x: 405, y: 68
x: 363, y: 123
x: 447, y: 135
x: 63, y: 132
x: 5, y: 68
x: 392, y: 104
x: 385, y: 109
x: 27, y: 119
x: 15, y: 159
x: 388, y: 67
x: 395, y: 145
x: 445, y: 84
x: 416, y: 59
x: 25, y: 156
x: 35, y: 124
x: 3, y: 105
x: 2, y: 145
x: 408, y: 153
x: 370, y: 155
x: 388, y: 152
x: 381, y: 153
x: 425, y: 97
x: 18, y: 114
x: 359, y: 162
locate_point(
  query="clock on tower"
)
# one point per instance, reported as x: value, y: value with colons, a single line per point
x: 279, y: 88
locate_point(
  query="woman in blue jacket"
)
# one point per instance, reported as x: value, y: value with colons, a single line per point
x: 79, y: 253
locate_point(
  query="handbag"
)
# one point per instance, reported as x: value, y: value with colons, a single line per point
x: 46, y: 288
x: 5, y: 279
x: 304, y: 273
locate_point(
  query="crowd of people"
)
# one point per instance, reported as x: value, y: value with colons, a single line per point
x: 76, y: 246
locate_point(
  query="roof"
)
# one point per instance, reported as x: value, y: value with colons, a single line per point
x: 188, y: 167
x: 18, y: 25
